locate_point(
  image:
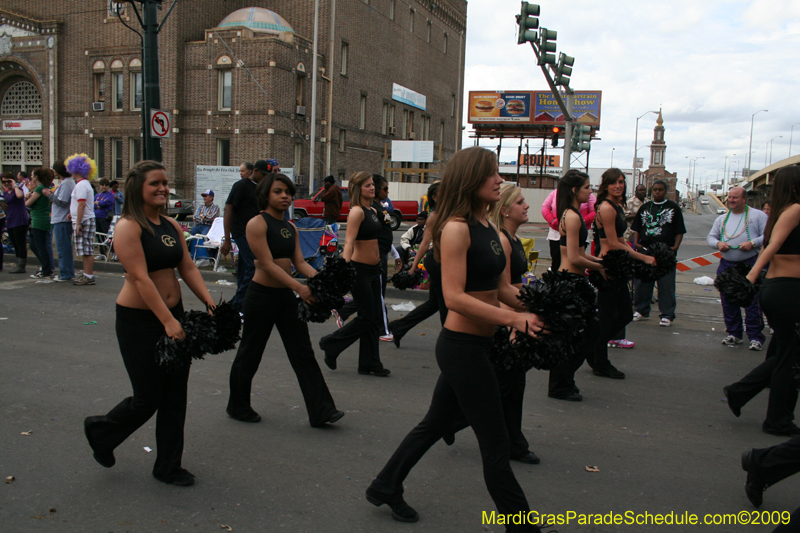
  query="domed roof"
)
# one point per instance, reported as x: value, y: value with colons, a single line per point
x: 258, y: 19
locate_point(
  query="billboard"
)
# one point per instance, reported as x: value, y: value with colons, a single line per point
x: 497, y: 107
x: 585, y: 108
x: 536, y: 160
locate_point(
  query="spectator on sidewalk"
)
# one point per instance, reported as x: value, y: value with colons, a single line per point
x: 332, y: 196
x: 246, y: 170
x: 632, y: 209
x: 411, y: 239
x: 16, y: 221
x: 739, y: 235
x: 62, y: 225
x: 83, y: 168
x: 104, y: 210
x: 203, y: 218
x: 41, y: 230
x: 659, y: 220
x: 119, y: 198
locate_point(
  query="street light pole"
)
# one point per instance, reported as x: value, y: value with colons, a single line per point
x: 750, y: 150
x: 612, y: 158
x: 791, y: 132
x: 770, y: 147
x: 636, y: 148
x: 725, y: 172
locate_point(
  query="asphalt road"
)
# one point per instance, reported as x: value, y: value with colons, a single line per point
x: 662, y: 439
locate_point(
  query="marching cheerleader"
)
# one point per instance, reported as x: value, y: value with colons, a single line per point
x: 469, y: 250
x: 574, y: 189
x: 361, y: 250
x: 614, y: 307
x: 150, y: 246
x: 270, y: 301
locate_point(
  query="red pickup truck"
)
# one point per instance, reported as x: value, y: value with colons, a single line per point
x: 403, y: 209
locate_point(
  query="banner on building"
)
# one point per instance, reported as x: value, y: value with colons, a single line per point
x: 407, y: 96
x: 22, y: 125
x: 535, y: 160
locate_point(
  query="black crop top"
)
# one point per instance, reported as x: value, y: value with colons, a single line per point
x: 485, y: 258
x: 163, y: 249
x: 370, y: 227
x: 280, y: 237
x: 619, y: 223
x: 791, y: 246
x: 583, y: 234
x: 519, y: 263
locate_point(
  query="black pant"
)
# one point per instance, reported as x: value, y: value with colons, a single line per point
x: 265, y: 307
x: 154, y: 389
x: 349, y: 309
x: 615, y: 311
x: 467, y: 383
x: 562, y: 378
x: 778, y: 298
x: 102, y: 225
x: 18, y: 237
x: 435, y: 302
x: 2, y: 252
x: 555, y: 255
x: 775, y: 464
x: 366, y: 325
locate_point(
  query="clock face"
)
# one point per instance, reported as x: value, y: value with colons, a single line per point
x: 116, y: 9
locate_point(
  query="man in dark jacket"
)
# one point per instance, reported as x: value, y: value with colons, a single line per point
x: 332, y: 196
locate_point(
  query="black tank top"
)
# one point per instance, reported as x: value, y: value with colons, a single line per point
x: 583, y: 234
x: 370, y: 227
x: 519, y: 263
x: 280, y: 237
x: 791, y: 246
x: 485, y: 258
x: 162, y: 249
x: 619, y: 224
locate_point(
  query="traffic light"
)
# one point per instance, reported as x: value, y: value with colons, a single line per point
x: 581, y: 135
x: 556, y: 129
x: 547, y: 44
x: 564, y: 69
x: 527, y: 23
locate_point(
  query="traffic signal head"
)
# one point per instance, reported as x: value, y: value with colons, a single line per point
x: 547, y: 44
x: 556, y: 130
x: 564, y: 69
x: 581, y: 136
x: 527, y: 23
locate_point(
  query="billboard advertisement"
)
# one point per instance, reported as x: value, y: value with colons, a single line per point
x: 497, y: 107
x: 585, y: 108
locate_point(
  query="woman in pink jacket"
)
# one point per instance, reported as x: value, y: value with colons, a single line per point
x: 549, y: 213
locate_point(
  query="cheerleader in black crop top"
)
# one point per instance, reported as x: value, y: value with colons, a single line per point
x: 270, y: 301
x: 468, y: 247
x: 362, y: 249
x: 150, y: 247
x: 574, y: 190
x: 615, y: 309
x: 778, y: 298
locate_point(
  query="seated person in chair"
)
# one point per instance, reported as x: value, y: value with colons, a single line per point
x: 413, y: 237
x: 203, y: 218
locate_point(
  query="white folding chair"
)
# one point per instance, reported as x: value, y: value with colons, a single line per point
x: 212, y: 240
x: 105, y: 240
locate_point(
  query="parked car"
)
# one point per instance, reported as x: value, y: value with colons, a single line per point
x: 180, y: 208
x: 403, y: 209
x: 721, y: 211
x: 704, y: 201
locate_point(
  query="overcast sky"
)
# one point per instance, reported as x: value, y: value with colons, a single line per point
x: 709, y: 65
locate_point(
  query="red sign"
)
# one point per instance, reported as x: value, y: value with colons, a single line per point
x: 159, y: 124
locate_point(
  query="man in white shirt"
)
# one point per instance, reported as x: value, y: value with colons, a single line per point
x: 83, y: 226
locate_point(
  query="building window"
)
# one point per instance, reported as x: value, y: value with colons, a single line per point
x: 225, y: 89
x: 299, y: 89
x: 453, y: 105
x: 118, y: 90
x: 100, y: 157
x: 391, y: 9
x: 391, y: 119
x: 657, y: 158
x: 362, y: 119
x: 342, y: 140
x: 444, y: 46
x: 441, y: 134
x: 137, y: 96
x: 22, y: 98
x: 298, y: 157
x: 135, y: 150
x: 385, y: 123
x: 223, y: 152
x: 99, y: 87
x: 425, y: 129
x: 410, y: 124
x: 411, y: 20
x: 345, y: 53
x: 428, y: 34
x: 404, y: 125
x: 116, y: 155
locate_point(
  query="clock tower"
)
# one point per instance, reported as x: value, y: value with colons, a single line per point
x: 657, y: 168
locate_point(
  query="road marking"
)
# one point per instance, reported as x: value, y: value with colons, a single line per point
x: 701, y: 261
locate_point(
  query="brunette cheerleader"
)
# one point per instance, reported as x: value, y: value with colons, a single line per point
x: 574, y: 189
x: 150, y: 246
x: 270, y: 301
x: 361, y: 250
x: 468, y: 247
x: 614, y: 307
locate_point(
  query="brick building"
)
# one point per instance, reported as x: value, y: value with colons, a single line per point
x: 657, y: 169
x: 237, y: 80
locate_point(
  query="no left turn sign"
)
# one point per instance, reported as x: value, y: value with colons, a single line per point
x: 159, y: 124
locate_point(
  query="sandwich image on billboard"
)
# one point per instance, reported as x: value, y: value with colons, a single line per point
x: 500, y: 106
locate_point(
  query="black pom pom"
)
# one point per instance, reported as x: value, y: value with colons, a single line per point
x: 332, y: 282
x: 734, y: 286
x: 403, y: 280
x: 666, y: 261
x: 228, y: 326
x: 619, y: 269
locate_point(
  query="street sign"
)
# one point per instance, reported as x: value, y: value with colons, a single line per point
x: 159, y: 124
x: 639, y: 162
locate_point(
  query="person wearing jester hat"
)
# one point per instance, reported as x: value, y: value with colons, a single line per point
x: 81, y: 209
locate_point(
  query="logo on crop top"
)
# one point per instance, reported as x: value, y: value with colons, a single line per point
x: 522, y: 255
x: 374, y: 217
x: 286, y: 234
x: 497, y: 248
x: 168, y: 241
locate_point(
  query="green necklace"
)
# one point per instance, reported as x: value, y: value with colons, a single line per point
x: 724, y: 234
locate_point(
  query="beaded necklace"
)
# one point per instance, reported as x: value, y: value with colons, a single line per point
x: 725, y: 237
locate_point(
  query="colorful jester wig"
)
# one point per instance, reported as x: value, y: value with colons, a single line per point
x: 82, y: 165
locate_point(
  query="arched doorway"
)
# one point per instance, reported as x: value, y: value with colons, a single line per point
x: 20, y: 123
